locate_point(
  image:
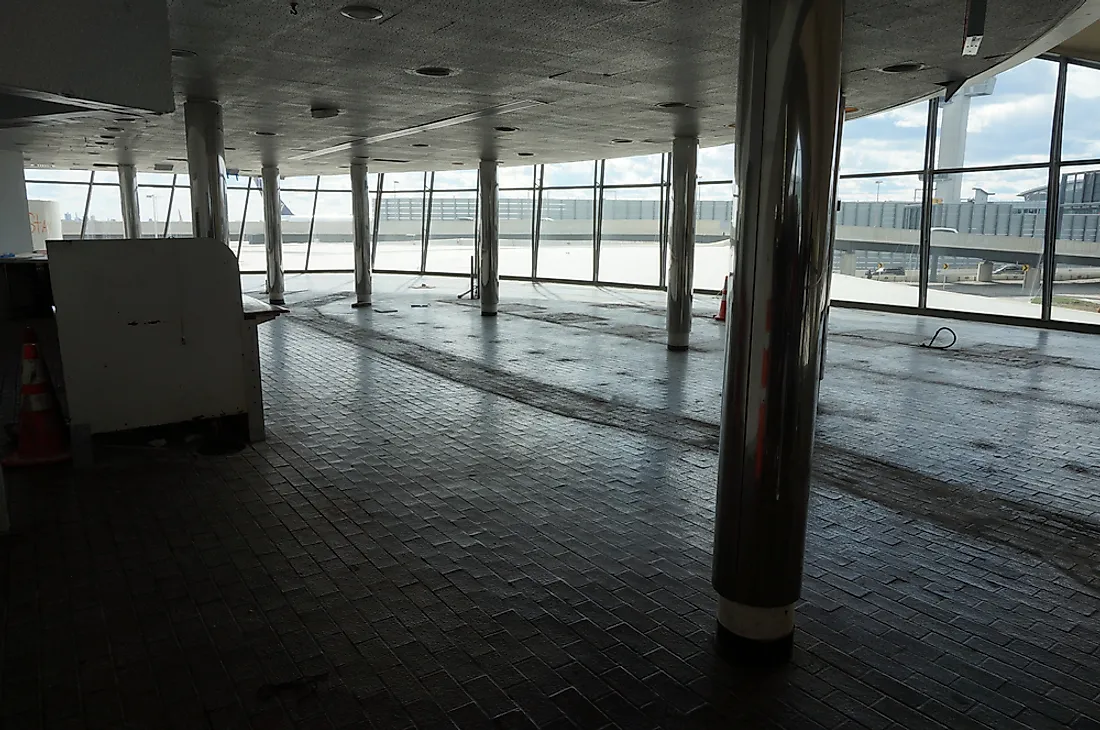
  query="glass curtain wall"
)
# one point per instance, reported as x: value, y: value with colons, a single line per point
x: 943, y: 205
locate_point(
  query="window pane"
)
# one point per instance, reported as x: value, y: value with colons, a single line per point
x: 1079, y: 137
x: 456, y: 180
x: 104, y: 213
x: 53, y: 175
x: 515, y: 177
x: 885, y: 142
x: 565, y: 233
x: 342, y: 182
x: 180, y: 226
x: 405, y: 181
x: 876, y: 257
x: 982, y: 245
x: 630, y: 251
x: 569, y: 174
x: 400, y: 228
x: 297, y: 210
x: 301, y: 183
x: 332, y: 232
x: 70, y: 199
x: 237, y: 198
x: 1077, y: 251
x: 714, y: 212
x: 451, y: 238
x: 154, y: 178
x: 715, y: 163
x: 516, y: 214
x: 153, y: 206
x: 108, y: 174
x: 1004, y: 120
x: 633, y: 170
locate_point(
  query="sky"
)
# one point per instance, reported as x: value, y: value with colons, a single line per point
x: 1011, y: 126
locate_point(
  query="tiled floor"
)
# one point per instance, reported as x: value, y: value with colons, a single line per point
x: 466, y: 522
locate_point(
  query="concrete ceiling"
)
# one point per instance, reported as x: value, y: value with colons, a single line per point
x: 599, y: 66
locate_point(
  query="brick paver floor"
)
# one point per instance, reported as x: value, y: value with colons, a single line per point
x: 462, y: 522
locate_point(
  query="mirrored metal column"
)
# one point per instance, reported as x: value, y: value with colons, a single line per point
x: 273, y: 233
x: 128, y: 191
x: 490, y: 239
x: 360, y: 221
x: 206, y: 167
x: 681, y: 261
x: 788, y: 119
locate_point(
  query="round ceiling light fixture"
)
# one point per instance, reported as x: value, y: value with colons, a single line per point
x: 906, y: 67
x: 106, y: 136
x: 434, y: 72
x: 361, y: 12
x: 622, y: 141
x: 505, y: 128
x: 113, y: 129
x: 458, y: 163
x: 324, y: 112
x: 183, y: 53
x: 673, y: 105
x: 525, y: 154
x: 851, y: 109
x: 420, y: 144
x: 263, y: 133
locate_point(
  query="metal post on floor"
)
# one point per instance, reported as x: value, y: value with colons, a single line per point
x: 202, y: 120
x: 788, y: 120
x: 361, y: 246
x: 128, y: 194
x: 273, y: 233
x: 681, y: 262
x: 489, y: 278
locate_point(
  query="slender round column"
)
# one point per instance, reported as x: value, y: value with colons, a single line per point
x: 206, y: 167
x: 681, y: 250
x: 273, y: 233
x: 361, y: 246
x: 490, y: 239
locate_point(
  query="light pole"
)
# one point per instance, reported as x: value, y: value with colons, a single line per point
x: 153, y: 202
x: 878, y: 187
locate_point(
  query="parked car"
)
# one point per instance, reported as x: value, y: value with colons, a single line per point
x: 1008, y: 269
x: 886, y: 271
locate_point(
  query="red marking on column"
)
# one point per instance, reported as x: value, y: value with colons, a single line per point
x: 764, y: 369
x: 760, y: 439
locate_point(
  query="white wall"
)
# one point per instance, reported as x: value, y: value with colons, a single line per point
x: 15, y: 229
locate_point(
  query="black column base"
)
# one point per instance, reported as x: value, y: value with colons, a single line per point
x: 277, y: 302
x: 678, y: 348
x: 360, y: 305
x: 488, y: 314
x: 752, y: 653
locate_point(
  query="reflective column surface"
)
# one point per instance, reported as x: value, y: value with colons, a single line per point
x: 206, y: 167
x: 787, y: 126
x: 128, y: 192
x: 273, y: 233
x: 361, y: 248
x: 490, y: 239
x: 681, y: 259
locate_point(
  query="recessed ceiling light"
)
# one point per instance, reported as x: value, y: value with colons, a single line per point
x: 672, y: 105
x: 227, y: 149
x: 361, y: 12
x: 622, y: 141
x: 420, y: 144
x: 324, y: 112
x: 732, y: 126
x: 163, y: 166
x: 458, y: 163
x: 851, y: 109
x: 183, y: 53
x: 506, y: 129
x: 113, y: 129
x: 656, y: 141
x: 525, y: 154
x: 106, y: 136
x: 388, y: 159
x: 434, y: 72
x: 902, y: 68
x: 262, y: 133
x: 102, y: 143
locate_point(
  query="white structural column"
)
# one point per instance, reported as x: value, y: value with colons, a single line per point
x: 273, y: 233
x: 788, y: 121
x: 361, y: 230
x: 128, y: 192
x: 490, y: 238
x: 681, y: 249
x: 206, y: 167
x: 15, y: 229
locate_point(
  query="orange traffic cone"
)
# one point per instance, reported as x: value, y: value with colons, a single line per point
x: 41, y: 438
x: 721, y: 316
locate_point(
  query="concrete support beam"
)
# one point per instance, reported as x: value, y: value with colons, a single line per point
x: 206, y: 167
x: 128, y: 192
x: 788, y: 122
x: 361, y: 231
x: 490, y: 238
x: 273, y: 233
x: 681, y: 249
